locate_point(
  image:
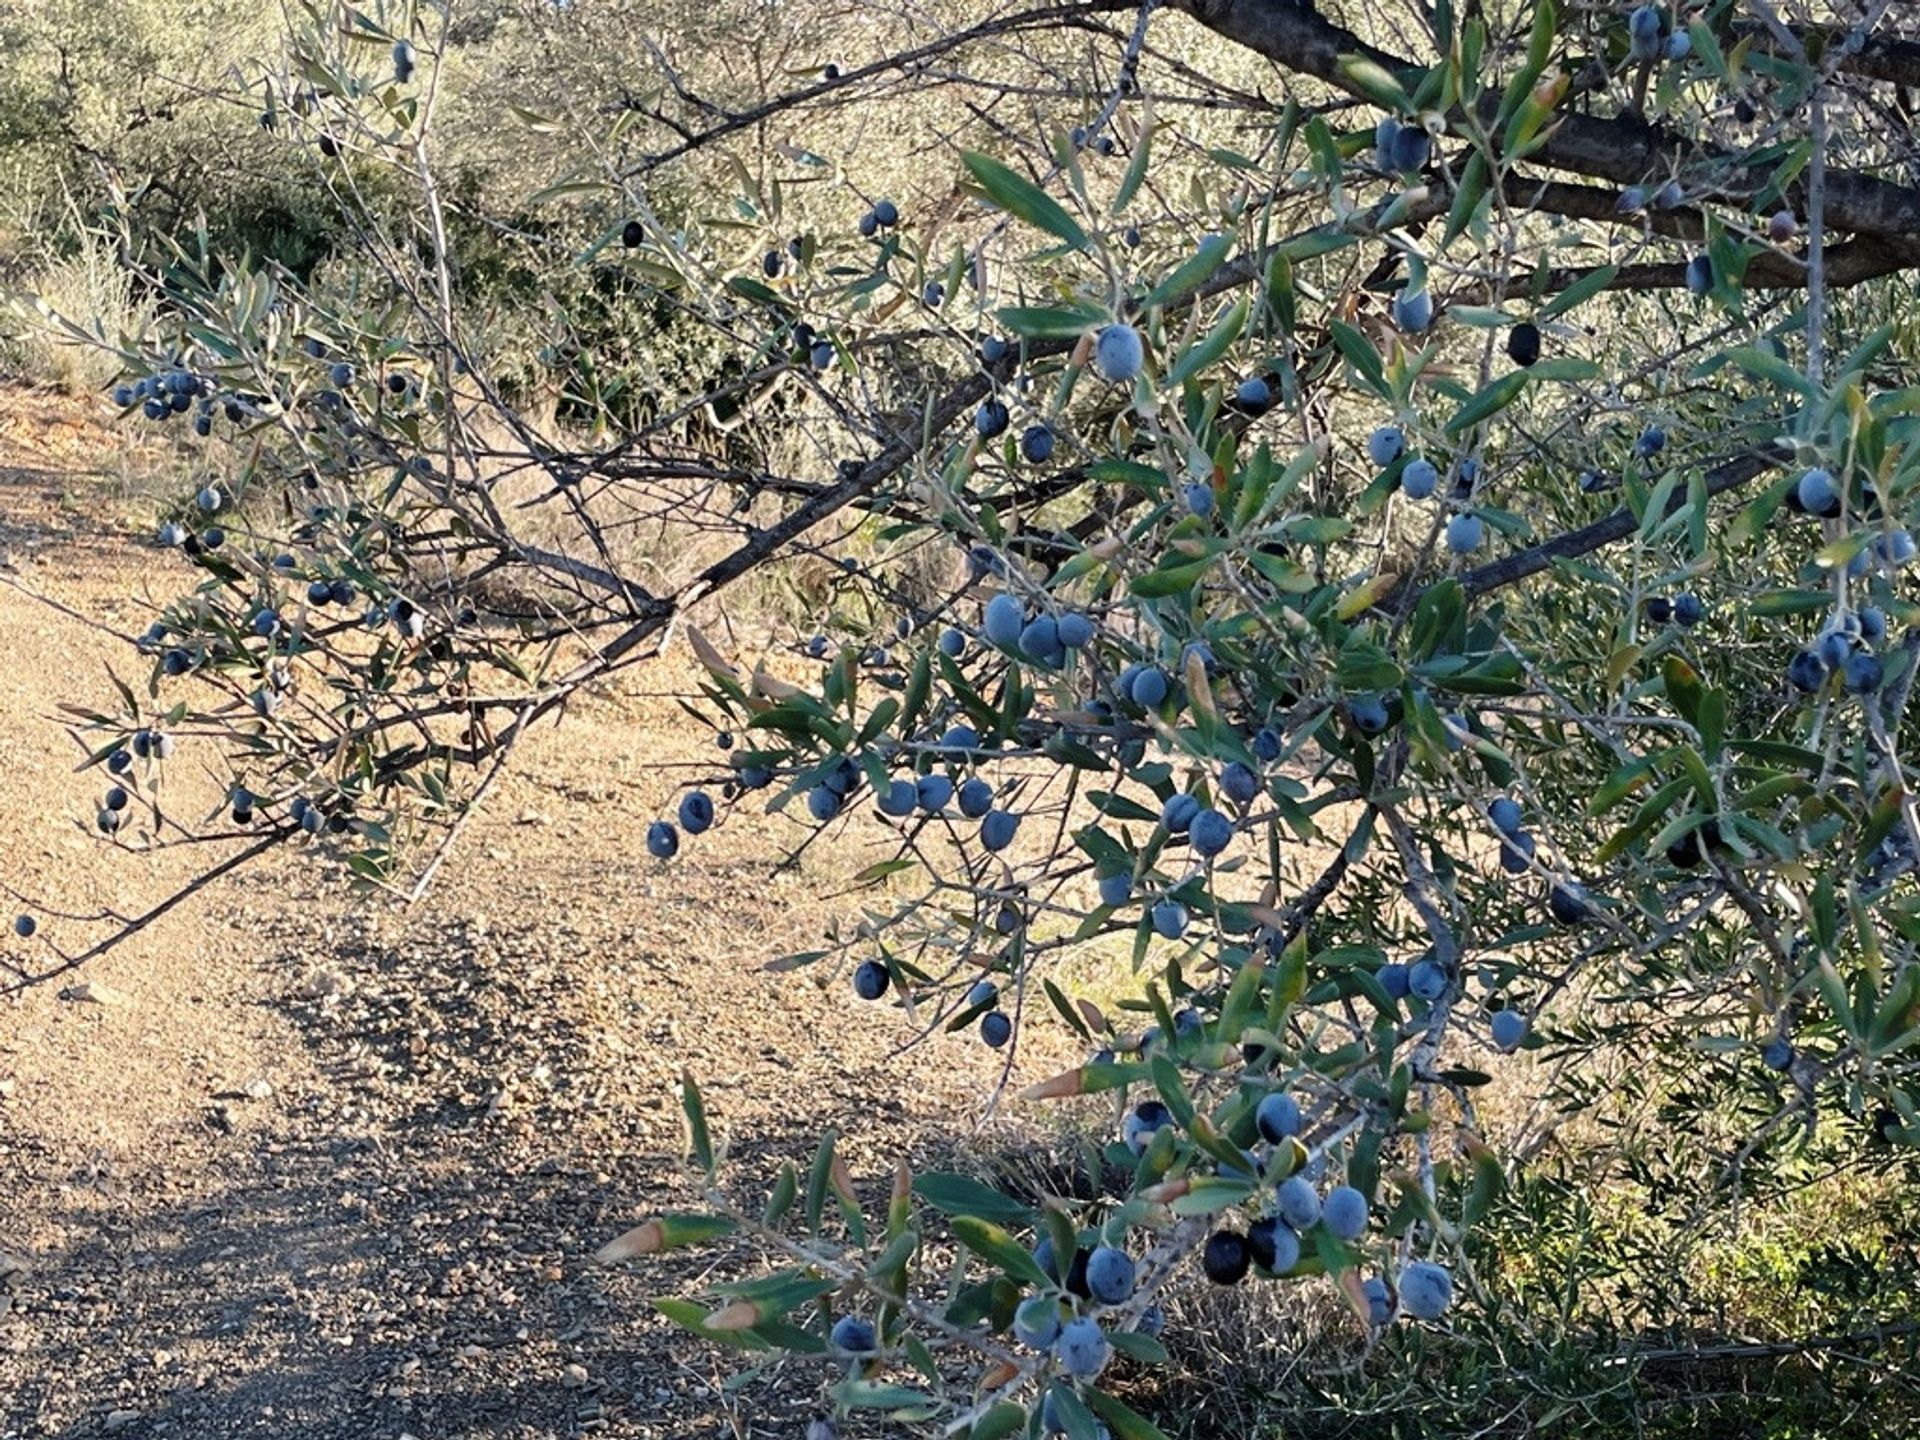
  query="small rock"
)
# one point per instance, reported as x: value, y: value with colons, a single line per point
x: 93, y: 992
x: 574, y: 1377
x: 324, y: 984
x: 258, y: 1088
x: 118, y: 1420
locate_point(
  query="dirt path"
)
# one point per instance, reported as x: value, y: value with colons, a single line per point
x: 319, y: 1167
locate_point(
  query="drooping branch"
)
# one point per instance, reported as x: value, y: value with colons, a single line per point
x: 130, y: 926
x: 1320, y: 47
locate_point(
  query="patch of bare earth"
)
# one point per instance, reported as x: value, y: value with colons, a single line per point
x: 300, y: 1163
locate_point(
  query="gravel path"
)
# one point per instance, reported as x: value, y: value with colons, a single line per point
x: 305, y: 1165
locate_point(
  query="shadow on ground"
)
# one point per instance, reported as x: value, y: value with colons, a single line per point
x: 400, y: 1246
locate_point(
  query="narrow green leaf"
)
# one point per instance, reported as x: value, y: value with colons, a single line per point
x: 1173, y: 580
x: 1765, y: 365
x: 1581, y: 291
x: 1360, y: 353
x: 1137, y: 166
x: 1002, y: 1420
x: 1362, y: 76
x: 1064, y: 1008
x: 817, y: 1179
x: 1072, y: 1412
x: 994, y: 1244
x: 1166, y: 1079
x: 878, y: 1395
x: 1489, y: 1180
x: 1191, y: 274
x: 698, y: 1139
x: 1143, y: 1348
x: 1652, y: 811
x: 1771, y: 603
x: 1467, y: 199
x: 1489, y: 401
x: 963, y: 1195
x: 1126, y: 1424
x: 1019, y: 196
x: 689, y: 1316
x: 786, y: 1188
x: 1325, y: 149
x: 919, y: 688
x: 1310, y: 244
x: 1827, y: 981
x: 1049, y: 322
x: 1209, y: 350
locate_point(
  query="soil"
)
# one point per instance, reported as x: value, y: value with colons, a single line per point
x: 301, y: 1163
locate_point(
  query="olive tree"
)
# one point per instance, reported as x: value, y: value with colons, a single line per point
x: 1403, y: 534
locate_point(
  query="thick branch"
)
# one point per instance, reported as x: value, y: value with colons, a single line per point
x: 1850, y: 264
x: 1895, y: 61
x: 1622, y: 148
x: 1730, y: 475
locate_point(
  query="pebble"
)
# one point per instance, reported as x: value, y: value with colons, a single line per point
x: 93, y: 992
x: 325, y: 984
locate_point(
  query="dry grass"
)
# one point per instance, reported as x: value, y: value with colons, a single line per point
x: 75, y: 306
